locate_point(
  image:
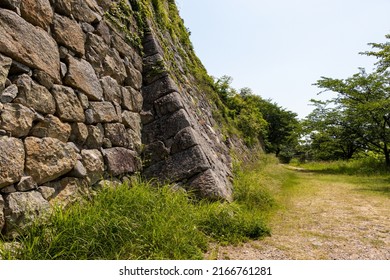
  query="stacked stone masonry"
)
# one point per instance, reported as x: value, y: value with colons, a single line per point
x: 74, y: 99
x: 69, y: 110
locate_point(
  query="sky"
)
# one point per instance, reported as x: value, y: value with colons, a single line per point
x: 280, y: 48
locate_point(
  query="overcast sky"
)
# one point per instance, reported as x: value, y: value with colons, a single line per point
x: 279, y: 48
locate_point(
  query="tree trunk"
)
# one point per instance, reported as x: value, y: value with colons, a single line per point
x: 387, y: 155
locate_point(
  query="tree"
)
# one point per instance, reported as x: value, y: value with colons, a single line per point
x: 364, y: 99
x: 333, y: 134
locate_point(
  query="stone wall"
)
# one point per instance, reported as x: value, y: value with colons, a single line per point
x: 79, y: 105
x: 70, y: 92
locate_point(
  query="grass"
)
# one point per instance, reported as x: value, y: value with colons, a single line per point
x: 370, y: 174
x: 367, y: 166
x: 142, y: 221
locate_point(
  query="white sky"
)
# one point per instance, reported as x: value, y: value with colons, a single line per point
x: 279, y: 48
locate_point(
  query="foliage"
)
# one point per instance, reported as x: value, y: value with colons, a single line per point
x: 358, y: 117
x: 139, y: 222
x: 259, y: 120
x: 333, y: 135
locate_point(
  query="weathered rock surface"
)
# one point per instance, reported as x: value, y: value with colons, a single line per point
x: 22, y: 208
x: 95, y: 136
x: 168, y: 104
x: 131, y: 99
x: 16, y: 119
x: 179, y: 166
x: 68, y: 32
x: 52, y: 127
x: 48, y: 158
x: 111, y: 90
x: 34, y: 96
x: 82, y: 10
x: 117, y: 135
x: 209, y: 185
x: 5, y: 65
x: 166, y: 127
x: 94, y: 164
x: 101, y: 112
x: 79, y: 133
x: 68, y: 105
x: 9, y: 94
x: 121, y: 161
x: 37, y: 12
x: 131, y: 120
x: 82, y: 76
x: 28, y: 44
x: 26, y: 183
x: 78, y: 171
x: 158, y: 89
x: 12, y: 157
x: 67, y: 191
x: 184, y: 140
x: 96, y: 50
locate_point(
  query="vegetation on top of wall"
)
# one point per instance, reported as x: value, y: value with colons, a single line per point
x: 129, y: 19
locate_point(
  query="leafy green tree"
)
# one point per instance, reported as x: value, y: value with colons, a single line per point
x: 364, y: 100
x: 333, y: 134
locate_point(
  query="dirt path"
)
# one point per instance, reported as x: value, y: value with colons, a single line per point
x: 325, y: 217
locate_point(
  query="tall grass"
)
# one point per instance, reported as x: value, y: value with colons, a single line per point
x: 142, y: 221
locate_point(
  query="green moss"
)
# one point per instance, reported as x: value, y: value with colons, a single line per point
x: 123, y: 17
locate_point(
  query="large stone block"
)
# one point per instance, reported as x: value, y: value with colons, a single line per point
x: 113, y: 66
x: 111, y: 90
x: 117, y: 135
x: 132, y: 99
x: 52, y: 127
x: 166, y: 127
x: 121, y: 161
x: 95, y: 136
x: 82, y: 76
x: 12, y: 157
x: 34, y: 96
x: 94, y: 164
x: 180, y: 166
x: 95, y: 51
x: 158, y: 89
x: 9, y: 94
x: 22, y: 209
x: 209, y: 185
x: 69, y: 107
x: 68, y: 32
x: 101, y: 112
x: 67, y: 191
x: 131, y: 120
x: 151, y: 45
x: 168, y: 104
x: 79, y: 133
x: 48, y: 158
x: 37, y: 12
x: 82, y: 10
x: 28, y: 44
x: 5, y: 65
x: 154, y: 69
x: 16, y: 119
x: 184, y: 140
